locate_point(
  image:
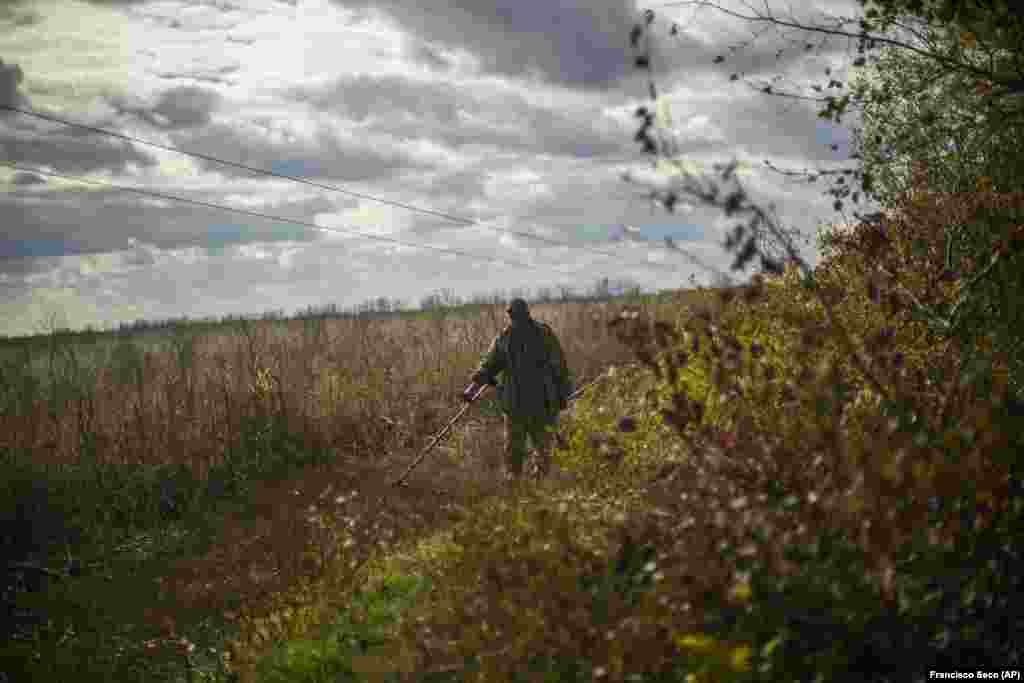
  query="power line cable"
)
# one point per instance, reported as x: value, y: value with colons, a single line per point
x: 221, y: 207
x: 333, y: 188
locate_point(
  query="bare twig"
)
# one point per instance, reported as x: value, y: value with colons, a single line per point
x: 1012, y: 85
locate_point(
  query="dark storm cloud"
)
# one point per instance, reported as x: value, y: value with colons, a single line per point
x: 368, y: 95
x: 21, y: 178
x: 63, y: 223
x: 139, y: 254
x: 18, y: 224
x: 424, y: 53
x: 181, y: 107
x: 34, y: 248
x: 15, y: 269
x: 29, y: 141
x: 19, y: 13
x: 11, y: 77
x: 571, y: 42
x: 584, y: 43
x: 559, y: 37
x: 91, y: 221
x: 413, y: 109
x: 464, y: 183
x: 67, y: 150
x: 217, y: 76
x: 324, y: 157
x: 770, y: 126
x: 187, y: 106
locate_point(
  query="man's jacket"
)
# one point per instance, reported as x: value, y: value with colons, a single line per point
x: 535, y: 378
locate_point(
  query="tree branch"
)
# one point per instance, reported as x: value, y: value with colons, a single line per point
x: 793, y: 96
x: 1015, y: 85
x: 954, y: 323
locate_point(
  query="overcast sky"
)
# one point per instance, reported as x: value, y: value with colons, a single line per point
x: 513, y: 113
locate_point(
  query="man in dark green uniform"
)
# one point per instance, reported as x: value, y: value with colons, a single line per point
x: 535, y: 387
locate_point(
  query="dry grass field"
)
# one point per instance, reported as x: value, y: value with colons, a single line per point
x: 249, y: 428
x: 341, y: 383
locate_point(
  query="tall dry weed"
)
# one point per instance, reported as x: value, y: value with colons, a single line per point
x: 151, y: 429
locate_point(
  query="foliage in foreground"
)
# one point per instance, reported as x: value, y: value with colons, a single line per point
x: 344, y: 649
x: 848, y: 500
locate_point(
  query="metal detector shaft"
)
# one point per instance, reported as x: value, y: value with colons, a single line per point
x: 579, y: 392
x: 440, y: 435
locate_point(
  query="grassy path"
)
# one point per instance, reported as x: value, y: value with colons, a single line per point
x: 264, y: 583
x: 404, y: 521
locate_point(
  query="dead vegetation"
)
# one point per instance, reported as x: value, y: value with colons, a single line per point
x: 280, y: 435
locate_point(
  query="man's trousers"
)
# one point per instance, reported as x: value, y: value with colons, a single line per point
x: 540, y: 431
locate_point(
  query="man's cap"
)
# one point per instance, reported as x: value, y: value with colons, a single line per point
x: 518, y: 307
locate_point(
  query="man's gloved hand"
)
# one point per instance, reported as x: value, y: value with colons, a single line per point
x: 563, y: 399
x: 470, y: 392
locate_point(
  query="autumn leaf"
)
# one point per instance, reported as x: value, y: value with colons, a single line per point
x: 968, y: 40
x: 741, y: 592
x: 739, y: 658
x: 696, y: 642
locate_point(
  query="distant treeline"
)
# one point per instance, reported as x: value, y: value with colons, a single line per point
x: 443, y: 301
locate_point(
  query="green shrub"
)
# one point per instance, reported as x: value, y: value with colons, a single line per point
x: 345, y: 649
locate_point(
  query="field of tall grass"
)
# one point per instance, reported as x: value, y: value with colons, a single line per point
x: 164, y: 483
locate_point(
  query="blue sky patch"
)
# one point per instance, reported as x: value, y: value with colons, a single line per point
x: 297, y: 168
x: 37, y: 248
x: 828, y: 134
x: 221, y: 235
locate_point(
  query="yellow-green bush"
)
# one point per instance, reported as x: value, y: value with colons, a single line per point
x: 614, y: 427
x: 517, y: 593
